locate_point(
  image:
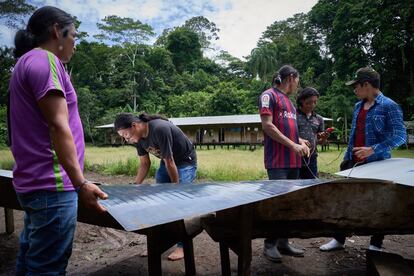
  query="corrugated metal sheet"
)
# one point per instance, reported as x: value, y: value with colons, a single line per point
x: 213, y: 120
x: 399, y: 170
x: 217, y: 120
x: 137, y: 207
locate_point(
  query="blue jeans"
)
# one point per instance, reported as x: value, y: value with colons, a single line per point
x: 310, y: 170
x: 186, y: 174
x: 47, y: 236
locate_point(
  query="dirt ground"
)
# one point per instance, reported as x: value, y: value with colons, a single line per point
x: 103, y: 251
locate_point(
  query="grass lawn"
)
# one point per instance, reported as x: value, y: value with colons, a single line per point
x: 214, y: 165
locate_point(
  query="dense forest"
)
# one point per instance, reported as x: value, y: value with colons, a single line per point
x: 119, y: 70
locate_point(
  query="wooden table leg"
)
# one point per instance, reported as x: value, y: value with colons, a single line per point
x: 225, y: 259
x: 9, y: 219
x: 154, y: 254
x: 189, y: 256
x: 245, y: 241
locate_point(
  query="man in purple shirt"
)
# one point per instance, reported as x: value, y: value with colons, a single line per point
x: 47, y: 143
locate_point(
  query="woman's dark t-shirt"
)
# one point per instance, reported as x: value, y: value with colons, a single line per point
x: 165, y: 140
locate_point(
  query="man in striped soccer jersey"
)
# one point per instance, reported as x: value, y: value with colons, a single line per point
x: 282, y: 146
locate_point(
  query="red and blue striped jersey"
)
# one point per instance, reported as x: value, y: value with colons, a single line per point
x: 277, y: 104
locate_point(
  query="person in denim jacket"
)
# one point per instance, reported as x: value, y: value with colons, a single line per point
x: 377, y: 128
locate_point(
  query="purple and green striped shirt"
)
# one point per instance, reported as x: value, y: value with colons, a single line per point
x: 36, y: 74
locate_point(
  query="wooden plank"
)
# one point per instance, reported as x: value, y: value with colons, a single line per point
x: 189, y: 261
x: 9, y: 219
x: 159, y: 238
x: 245, y: 240
x: 388, y: 264
x: 225, y: 259
x: 154, y: 252
x: 362, y: 207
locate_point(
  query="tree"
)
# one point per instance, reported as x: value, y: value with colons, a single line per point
x: 80, y: 35
x: 205, y: 30
x: 89, y: 111
x: 376, y: 33
x: 338, y: 102
x: 285, y: 42
x: 129, y: 34
x: 228, y: 99
x: 160, y: 59
x: 264, y: 61
x: 291, y: 29
x: 185, y: 48
x: 190, y: 104
x: 7, y: 62
x: 14, y: 11
x: 233, y: 66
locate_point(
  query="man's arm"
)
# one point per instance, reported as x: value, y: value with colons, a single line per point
x: 394, y: 117
x: 394, y: 120
x: 172, y: 169
x: 270, y: 129
x: 54, y: 108
x: 145, y: 163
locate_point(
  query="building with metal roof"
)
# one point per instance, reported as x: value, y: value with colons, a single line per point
x: 229, y: 129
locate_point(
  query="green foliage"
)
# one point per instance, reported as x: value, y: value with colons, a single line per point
x: 264, y: 61
x: 205, y: 30
x: 228, y: 99
x: 185, y: 48
x: 89, y: 110
x: 128, y: 167
x: 124, y: 30
x: 14, y: 11
x: 229, y: 173
x: 160, y: 59
x: 376, y: 33
x: 6, y: 64
x: 189, y: 104
x: 123, y: 74
x: 3, y: 126
x: 233, y: 67
x: 6, y: 164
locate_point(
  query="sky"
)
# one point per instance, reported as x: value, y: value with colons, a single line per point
x: 241, y: 22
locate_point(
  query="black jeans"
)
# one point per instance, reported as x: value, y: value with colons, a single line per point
x: 377, y: 239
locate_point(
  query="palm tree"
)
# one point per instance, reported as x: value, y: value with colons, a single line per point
x: 263, y: 61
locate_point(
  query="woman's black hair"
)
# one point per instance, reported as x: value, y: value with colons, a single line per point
x: 125, y: 120
x: 39, y: 28
x: 283, y: 73
x: 149, y: 117
x: 305, y: 94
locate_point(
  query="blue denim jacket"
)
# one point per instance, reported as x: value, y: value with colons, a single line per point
x: 384, y: 128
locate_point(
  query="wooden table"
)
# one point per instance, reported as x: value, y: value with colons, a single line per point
x: 348, y: 206
x: 159, y: 238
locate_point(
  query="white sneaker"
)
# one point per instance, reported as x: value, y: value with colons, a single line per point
x: 374, y: 248
x: 332, y: 245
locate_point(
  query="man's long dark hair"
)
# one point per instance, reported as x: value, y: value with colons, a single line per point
x: 125, y: 120
x: 283, y: 73
x: 305, y: 94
